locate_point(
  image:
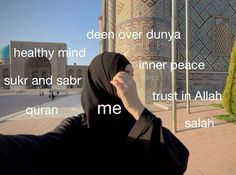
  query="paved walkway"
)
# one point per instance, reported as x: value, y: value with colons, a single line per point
x: 212, y: 150
x: 23, y: 123
x: 6, y: 101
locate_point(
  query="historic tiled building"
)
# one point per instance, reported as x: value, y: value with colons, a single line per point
x: 38, y: 66
x: 212, y: 26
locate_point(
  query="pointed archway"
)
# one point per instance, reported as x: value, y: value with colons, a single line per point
x: 37, y: 67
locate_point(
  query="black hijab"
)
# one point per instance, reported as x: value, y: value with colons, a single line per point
x: 98, y: 90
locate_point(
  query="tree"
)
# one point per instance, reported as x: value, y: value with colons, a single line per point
x: 229, y: 95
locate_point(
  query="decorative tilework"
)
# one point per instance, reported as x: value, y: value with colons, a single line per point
x: 220, y: 6
x: 201, y: 5
x: 149, y: 8
x: 123, y: 10
x: 143, y: 48
x: 203, y: 76
x: 201, y: 24
x: 149, y: 3
x: 120, y: 7
x: 221, y: 40
x: 147, y: 13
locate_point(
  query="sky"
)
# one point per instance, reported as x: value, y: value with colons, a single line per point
x: 64, y: 21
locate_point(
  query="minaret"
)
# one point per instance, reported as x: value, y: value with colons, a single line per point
x: 103, y: 25
x: 107, y: 23
x: 145, y: 16
x: 100, y: 30
x: 111, y: 14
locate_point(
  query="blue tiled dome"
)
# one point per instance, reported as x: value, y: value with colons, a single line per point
x: 4, y: 52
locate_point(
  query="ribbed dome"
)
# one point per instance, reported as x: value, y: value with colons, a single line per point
x: 4, y: 52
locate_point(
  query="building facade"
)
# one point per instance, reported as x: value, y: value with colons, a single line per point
x: 212, y: 27
x: 14, y: 63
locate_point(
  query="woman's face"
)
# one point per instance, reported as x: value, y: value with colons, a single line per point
x: 129, y: 70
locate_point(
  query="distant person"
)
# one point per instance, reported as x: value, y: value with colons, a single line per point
x: 126, y: 141
x: 41, y: 93
x: 52, y: 96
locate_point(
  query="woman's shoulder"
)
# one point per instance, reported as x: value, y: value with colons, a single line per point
x: 80, y: 118
x: 71, y: 123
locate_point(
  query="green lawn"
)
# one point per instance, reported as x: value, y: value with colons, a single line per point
x: 227, y: 117
x: 218, y: 105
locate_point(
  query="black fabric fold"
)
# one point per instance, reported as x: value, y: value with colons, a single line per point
x: 99, y: 91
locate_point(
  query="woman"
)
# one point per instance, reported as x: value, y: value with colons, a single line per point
x: 127, y: 139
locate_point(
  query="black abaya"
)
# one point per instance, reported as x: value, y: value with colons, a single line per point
x: 92, y: 143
